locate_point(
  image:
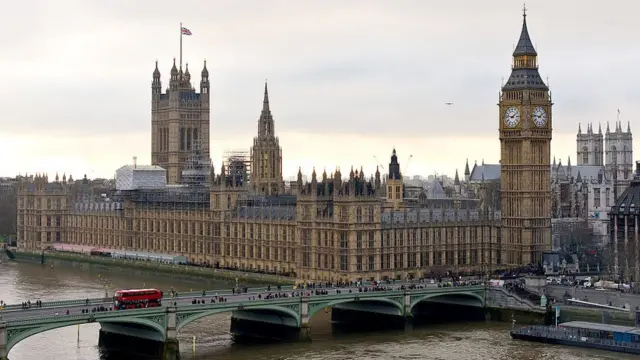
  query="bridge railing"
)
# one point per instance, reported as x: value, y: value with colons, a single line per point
x: 61, y: 303
x: 38, y: 318
x: 168, y: 297
x: 98, y: 315
x: 102, y: 300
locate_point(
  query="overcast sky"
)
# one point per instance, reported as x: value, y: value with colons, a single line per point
x: 348, y: 79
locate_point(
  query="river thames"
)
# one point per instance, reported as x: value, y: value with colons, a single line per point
x: 487, y: 341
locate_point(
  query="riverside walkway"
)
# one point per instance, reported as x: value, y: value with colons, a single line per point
x: 297, y: 305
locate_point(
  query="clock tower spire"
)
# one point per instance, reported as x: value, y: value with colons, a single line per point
x: 525, y: 150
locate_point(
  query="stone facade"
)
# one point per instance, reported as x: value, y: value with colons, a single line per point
x: 330, y: 228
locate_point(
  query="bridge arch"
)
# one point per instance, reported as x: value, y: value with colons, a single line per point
x: 16, y: 335
x: 197, y: 315
x: 315, y: 307
x: 415, y: 300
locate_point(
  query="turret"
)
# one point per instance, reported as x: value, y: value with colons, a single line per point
x: 175, y: 77
x: 156, y: 84
x: 467, y: 173
x: 204, y: 79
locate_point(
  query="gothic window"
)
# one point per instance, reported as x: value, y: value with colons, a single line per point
x: 182, y: 139
x: 598, y: 157
x: 624, y: 155
x: 371, y: 214
x: 614, y: 155
x: 189, y: 139
x: 596, y: 197
x: 585, y: 156
x: 195, y: 135
x: 359, y: 214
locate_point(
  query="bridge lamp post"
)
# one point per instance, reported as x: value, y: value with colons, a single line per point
x: 105, y: 283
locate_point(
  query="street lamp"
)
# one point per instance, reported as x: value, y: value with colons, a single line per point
x: 105, y: 283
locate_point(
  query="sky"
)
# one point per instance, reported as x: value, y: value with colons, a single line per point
x: 349, y: 80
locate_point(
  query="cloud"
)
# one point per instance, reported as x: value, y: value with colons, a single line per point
x: 373, y: 70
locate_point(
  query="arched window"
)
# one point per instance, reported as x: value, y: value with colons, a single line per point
x: 182, y: 138
x: 359, y: 214
x: 585, y: 156
x: 598, y: 157
x: 625, y: 159
x: 614, y: 155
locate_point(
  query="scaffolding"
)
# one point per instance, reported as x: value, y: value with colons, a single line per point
x: 197, y: 168
x: 238, y: 166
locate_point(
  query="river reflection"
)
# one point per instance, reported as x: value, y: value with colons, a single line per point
x: 483, y: 341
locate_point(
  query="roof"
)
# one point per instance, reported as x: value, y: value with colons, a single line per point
x: 587, y: 172
x: 629, y: 202
x: 491, y: 172
x: 435, y: 190
x: 523, y: 78
x: 525, y: 75
x: 524, y: 47
x: 601, y: 327
x: 142, y: 168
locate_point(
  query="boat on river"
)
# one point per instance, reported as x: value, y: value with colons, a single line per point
x: 625, y: 339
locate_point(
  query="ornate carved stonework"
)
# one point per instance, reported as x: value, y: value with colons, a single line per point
x: 180, y: 317
x: 295, y: 307
x: 314, y: 306
x: 12, y: 333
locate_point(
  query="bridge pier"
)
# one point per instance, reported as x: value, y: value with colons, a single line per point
x: 171, y: 350
x: 3, y: 341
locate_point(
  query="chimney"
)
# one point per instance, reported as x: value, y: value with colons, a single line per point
x: 135, y: 162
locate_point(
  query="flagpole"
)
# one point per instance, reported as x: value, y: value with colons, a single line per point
x: 180, y: 50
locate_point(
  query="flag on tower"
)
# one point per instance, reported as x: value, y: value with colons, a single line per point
x: 185, y: 31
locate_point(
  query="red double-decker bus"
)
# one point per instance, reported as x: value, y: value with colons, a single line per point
x: 137, y: 298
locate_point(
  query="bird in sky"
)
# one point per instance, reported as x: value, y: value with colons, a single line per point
x: 449, y: 103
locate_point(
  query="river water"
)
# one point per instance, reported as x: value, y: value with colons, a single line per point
x: 486, y: 341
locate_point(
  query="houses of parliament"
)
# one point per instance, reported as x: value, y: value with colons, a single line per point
x: 337, y: 226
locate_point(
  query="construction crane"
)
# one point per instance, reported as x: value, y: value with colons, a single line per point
x: 406, y: 166
x: 378, y: 162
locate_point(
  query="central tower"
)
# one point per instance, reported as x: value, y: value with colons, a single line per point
x: 266, y: 154
x: 525, y: 151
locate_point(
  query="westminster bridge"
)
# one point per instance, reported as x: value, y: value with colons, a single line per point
x: 291, y: 309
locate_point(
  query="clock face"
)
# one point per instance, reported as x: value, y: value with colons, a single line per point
x: 539, y: 117
x: 511, y: 117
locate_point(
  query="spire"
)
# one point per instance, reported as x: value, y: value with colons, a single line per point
x: 456, y: 180
x: 608, y: 131
x: 174, y: 69
x: 524, y: 72
x: 156, y: 72
x: 579, y: 129
x: 265, y: 101
x: 205, y: 73
x: 524, y: 47
x: 600, y: 128
x: 629, y: 126
x: 466, y: 168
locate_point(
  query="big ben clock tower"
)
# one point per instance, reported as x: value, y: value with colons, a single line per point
x: 525, y: 153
